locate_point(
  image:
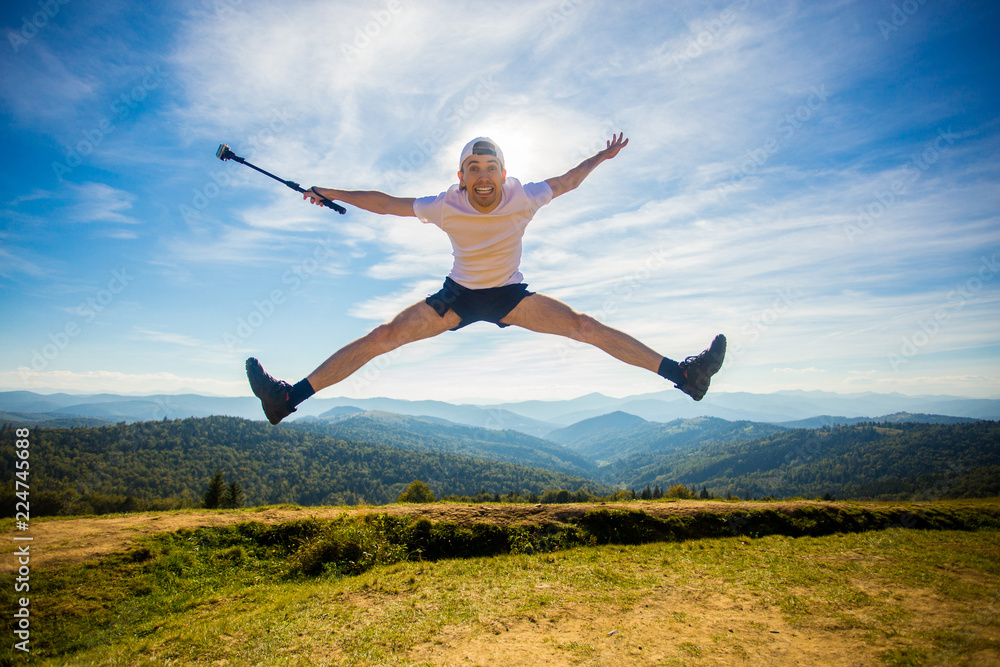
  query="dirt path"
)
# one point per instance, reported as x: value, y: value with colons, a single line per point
x: 63, y: 540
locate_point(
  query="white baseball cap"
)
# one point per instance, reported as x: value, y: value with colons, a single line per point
x: 481, y: 146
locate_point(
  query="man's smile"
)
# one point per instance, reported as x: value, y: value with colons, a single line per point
x: 482, y: 176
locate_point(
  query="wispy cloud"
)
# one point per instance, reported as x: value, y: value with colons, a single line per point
x: 798, y: 371
x: 13, y: 263
x: 120, y: 383
x: 100, y: 203
x: 168, y: 338
x: 795, y: 178
x: 41, y: 106
x: 35, y: 195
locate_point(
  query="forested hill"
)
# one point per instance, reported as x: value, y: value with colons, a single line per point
x: 881, y: 461
x: 437, y: 435
x: 374, y: 457
x: 74, y: 469
x: 607, y: 443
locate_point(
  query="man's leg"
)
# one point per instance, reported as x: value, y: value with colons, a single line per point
x: 417, y: 322
x: 547, y: 315
x: 278, y: 398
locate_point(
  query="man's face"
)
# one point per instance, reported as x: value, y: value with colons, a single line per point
x: 483, y: 177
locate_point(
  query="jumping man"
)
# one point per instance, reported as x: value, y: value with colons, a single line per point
x: 484, y: 215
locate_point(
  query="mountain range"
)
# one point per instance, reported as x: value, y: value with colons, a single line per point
x: 893, y: 455
x: 537, y: 418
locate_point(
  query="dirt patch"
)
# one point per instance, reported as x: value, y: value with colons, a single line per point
x: 671, y: 626
x: 61, y: 541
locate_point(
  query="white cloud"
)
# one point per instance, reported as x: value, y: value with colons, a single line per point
x: 42, y: 106
x: 120, y: 383
x: 169, y: 338
x: 759, y: 138
x: 35, y: 195
x: 384, y: 308
x: 797, y: 371
x: 13, y: 262
x: 100, y: 203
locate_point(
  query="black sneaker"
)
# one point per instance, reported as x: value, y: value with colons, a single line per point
x: 698, y: 371
x: 273, y: 394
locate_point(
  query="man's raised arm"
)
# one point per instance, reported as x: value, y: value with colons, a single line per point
x: 369, y: 200
x: 571, y: 179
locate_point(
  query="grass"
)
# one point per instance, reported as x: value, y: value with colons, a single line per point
x: 254, y: 594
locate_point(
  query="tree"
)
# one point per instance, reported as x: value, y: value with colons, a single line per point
x: 417, y: 492
x: 679, y: 491
x: 216, y: 489
x: 233, y: 497
x: 705, y: 495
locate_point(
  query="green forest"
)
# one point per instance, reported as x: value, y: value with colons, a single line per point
x: 169, y: 464
x: 173, y: 464
x: 873, y: 461
x: 425, y: 435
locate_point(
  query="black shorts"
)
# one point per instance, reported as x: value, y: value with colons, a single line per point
x: 477, y: 305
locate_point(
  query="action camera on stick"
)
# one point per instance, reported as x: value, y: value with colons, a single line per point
x: 224, y: 153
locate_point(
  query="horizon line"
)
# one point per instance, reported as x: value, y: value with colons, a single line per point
x: 486, y: 401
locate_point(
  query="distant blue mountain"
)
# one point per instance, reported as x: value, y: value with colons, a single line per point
x: 776, y: 407
x: 899, y: 418
x: 538, y: 418
x: 619, y: 447
x: 615, y: 424
x: 607, y: 444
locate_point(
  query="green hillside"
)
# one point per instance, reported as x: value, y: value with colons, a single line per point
x: 372, y: 457
x: 609, y: 445
x: 169, y: 463
x: 414, y: 585
x: 885, y: 461
x: 433, y: 435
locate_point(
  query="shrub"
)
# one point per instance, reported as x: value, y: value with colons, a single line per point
x: 346, y: 547
x: 623, y: 527
x: 679, y: 491
x: 417, y: 492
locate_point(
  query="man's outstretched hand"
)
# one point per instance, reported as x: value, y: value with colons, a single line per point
x: 313, y: 196
x: 615, y: 144
x: 571, y: 179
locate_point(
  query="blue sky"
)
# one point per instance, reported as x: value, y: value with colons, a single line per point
x: 819, y: 181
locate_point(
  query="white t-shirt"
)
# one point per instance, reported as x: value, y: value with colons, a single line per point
x: 487, y: 246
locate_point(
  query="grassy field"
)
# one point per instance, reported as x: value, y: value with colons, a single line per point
x: 307, y: 592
